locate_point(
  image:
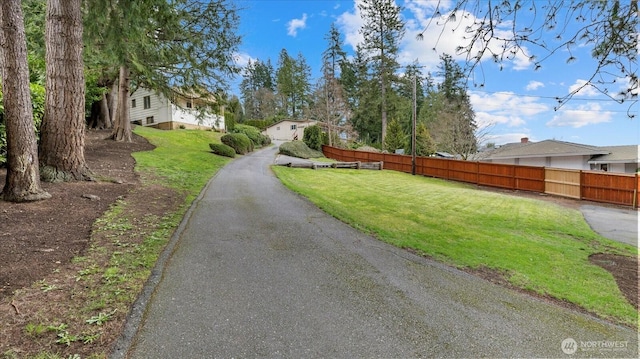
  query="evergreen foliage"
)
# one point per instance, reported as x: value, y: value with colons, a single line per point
x: 222, y: 150
x: 239, y: 142
x: 424, y: 143
x: 299, y: 149
x: 396, y: 137
x: 313, y: 137
x: 382, y: 30
x: 254, y: 134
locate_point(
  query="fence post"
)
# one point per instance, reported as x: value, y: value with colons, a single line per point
x: 635, y: 191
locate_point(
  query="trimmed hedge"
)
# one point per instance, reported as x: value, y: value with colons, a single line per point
x: 253, y: 133
x: 222, y: 150
x: 239, y: 142
x: 299, y: 149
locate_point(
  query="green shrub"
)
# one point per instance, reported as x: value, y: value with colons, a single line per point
x: 396, y: 138
x: 222, y: 150
x: 239, y: 142
x: 299, y: 149
x: 313, y: 137
x: 253, y: 133
x: 261, y: 124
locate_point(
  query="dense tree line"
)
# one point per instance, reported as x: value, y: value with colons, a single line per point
x: 89, y: 56
x: 369, y: 94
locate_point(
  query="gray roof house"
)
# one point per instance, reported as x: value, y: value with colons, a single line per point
x: 560, y: 154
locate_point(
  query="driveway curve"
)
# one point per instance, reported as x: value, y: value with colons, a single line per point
x: 258, y: 271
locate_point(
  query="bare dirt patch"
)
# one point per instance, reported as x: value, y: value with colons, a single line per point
x: 38, y: 237
x: 42, y: 286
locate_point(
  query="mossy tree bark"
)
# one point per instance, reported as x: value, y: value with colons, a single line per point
x: 122, y: 126
x: 23, y: 178
x: 63, y: 126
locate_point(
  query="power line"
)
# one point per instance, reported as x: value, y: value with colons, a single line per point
x: 555, y: 98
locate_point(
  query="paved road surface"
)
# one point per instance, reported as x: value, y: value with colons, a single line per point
x: 258, y: 271
x: 614, y: 223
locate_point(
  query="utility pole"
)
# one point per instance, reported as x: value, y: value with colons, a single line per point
x: 413, y: 129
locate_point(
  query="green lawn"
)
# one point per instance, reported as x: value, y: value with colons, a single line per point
x: 539, y: 246
x: 182, y: 159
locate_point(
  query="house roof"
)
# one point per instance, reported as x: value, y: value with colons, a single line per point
x: 618, y: 154
x: 547, y: 148
x: 294, y: 121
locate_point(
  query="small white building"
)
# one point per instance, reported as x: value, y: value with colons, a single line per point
x: 288, y: 130
x: 151, y: 109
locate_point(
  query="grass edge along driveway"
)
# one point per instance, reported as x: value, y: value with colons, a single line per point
x: 536, y: 245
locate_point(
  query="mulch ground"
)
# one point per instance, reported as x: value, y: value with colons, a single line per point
x: 41, y: 238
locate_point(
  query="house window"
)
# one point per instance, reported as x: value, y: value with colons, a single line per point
x: 293, y: 127
x: 149, y: 120
x: 189, y: 105
x: 133, y: 103
x: 147, y: 102
x: 278, y: 128
x: 604, y: 167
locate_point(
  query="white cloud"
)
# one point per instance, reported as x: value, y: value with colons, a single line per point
x: 242, y: 59
x: 534, y: 85
x: 486, y: 119
x: 585, y: 88
x: 504, y: 138
x: 441, y: 37
x: 584, y: 115
x: 296, y: 24
x: 437, y: 39
x: 505, y: 108
x: 349, y: 24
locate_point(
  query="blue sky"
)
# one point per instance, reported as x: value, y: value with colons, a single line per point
x: 514, y: 103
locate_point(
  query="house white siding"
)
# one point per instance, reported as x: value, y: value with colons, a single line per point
x: 570, y: 162
x: 163, y: 114
x: 159, y: 108
x: 534, y: 161
x: 287, y: 130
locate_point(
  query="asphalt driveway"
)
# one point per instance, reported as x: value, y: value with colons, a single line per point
x: 614, y: 223
x: 257, y: 271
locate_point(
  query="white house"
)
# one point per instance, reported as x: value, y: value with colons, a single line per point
x: 149, y: 108
x: 288, y: 130
x: 560, y: 154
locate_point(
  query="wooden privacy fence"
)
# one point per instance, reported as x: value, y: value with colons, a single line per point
x: 606, y: 187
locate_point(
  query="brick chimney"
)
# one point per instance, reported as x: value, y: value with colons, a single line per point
x: 524, y: 140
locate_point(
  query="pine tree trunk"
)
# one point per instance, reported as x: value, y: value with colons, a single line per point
x: 63, y: 125
x: 23, y: 177
x: 104, y: 117
x: 112, y: 102
x: 122, y: 126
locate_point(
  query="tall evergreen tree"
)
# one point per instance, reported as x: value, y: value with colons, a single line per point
x: 257, y: 89
x: 23, y: 178
x: 285, y: 82
x: 382, y: 31
x: 302, y: 86
x: 166, y: 46
x: 62, y: 132
x: 333, y: 105
x: 292, y: 82
x: 453, y: 127
x: 363, y: 96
